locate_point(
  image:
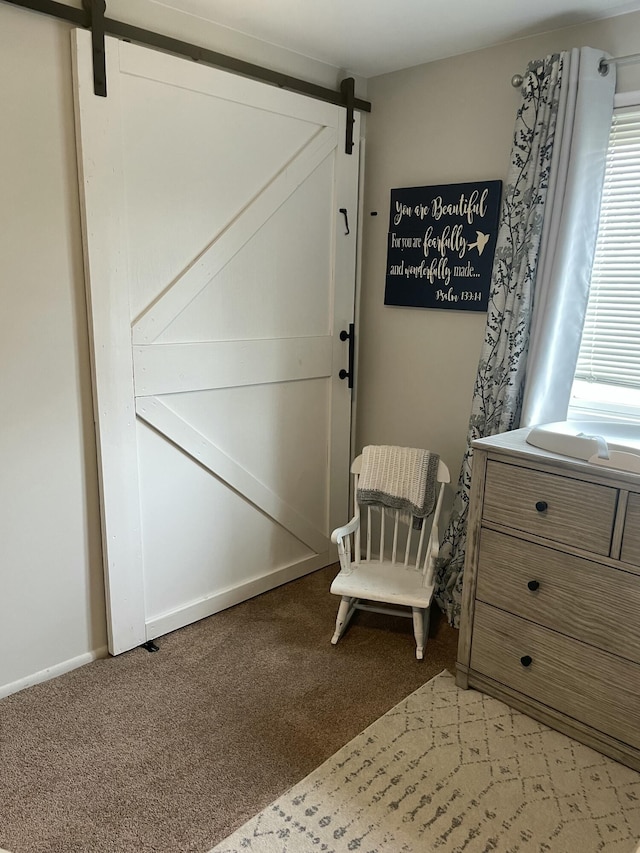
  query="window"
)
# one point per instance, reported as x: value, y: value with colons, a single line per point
x: 607, y: 378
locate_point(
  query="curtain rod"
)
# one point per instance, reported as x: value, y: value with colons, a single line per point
x: 81, y: 18
x: 603, y: 66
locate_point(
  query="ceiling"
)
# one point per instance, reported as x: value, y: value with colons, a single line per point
x: 371, y: 37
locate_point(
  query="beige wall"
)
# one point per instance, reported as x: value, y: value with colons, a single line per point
x: 51, y: 592
x: 52, y: 613
x: 443, y: 122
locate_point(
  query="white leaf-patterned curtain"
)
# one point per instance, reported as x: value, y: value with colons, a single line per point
x: 533, y: 197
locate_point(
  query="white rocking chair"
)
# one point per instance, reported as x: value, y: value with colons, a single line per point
x: 368, y: 582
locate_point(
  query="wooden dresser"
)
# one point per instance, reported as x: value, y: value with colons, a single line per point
x: 551, y: 600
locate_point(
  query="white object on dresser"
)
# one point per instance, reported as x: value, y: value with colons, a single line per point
x: 550, y: 618
x: 606, y: 443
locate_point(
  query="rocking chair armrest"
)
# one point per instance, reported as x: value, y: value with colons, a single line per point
x: 341, y: 532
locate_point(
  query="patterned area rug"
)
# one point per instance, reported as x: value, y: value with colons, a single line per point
x: 453, y: 770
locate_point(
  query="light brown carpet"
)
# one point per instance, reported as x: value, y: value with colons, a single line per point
x: 170, y: 752
x: 459, y: 772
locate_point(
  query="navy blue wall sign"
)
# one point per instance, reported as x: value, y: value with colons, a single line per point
x: 441, y: 245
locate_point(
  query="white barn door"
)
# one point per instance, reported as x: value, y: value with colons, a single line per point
x: 219, y: 276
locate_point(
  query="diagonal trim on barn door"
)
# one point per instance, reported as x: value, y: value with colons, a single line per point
x: 169, y: 424
x: 155, y: 319
x: 173, y: 368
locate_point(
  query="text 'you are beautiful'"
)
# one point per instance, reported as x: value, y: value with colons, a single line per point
x: 441, y: 244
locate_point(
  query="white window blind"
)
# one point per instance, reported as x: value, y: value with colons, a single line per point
x: 610, y: 349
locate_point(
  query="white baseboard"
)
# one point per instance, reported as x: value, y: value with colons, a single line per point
x: 52, y: 672
x: 214, y: 603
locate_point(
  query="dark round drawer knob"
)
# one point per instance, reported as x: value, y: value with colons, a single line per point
x: 541, y: 506
x: 533, y: 585
x: 526, y: 660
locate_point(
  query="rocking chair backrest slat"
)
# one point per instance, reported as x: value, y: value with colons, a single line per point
x: 407, y: 550
x: 356, y: 512
x: 421, y: 542
x: 394, y: 551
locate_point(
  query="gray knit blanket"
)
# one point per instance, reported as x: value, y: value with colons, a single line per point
x: 403, y: 478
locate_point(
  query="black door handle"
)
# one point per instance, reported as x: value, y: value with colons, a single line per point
x: 351, y: 337
x: 526, y: 660
x: 343, y: 211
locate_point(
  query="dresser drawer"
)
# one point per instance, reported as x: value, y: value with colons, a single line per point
x: 631, y: 536
x: 593, y: 603
x: 580, y: 681
x: 555, y: 507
